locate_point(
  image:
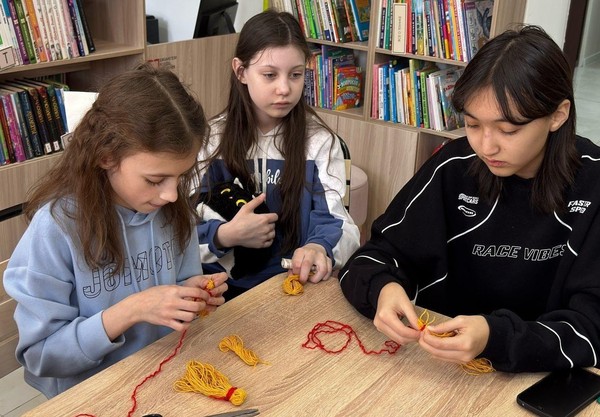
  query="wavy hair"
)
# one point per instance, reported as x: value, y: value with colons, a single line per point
x: 530, y: 78
x: 141, y: 110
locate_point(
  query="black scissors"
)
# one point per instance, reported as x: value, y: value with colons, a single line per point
x: 240, y: 413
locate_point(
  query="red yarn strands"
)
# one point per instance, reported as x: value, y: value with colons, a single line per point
x: 331, y: 327
x: 152, y: 375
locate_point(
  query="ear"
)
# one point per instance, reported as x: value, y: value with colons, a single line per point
x: 560, y: 115
x: 107, y: 163
x: 238, y: 70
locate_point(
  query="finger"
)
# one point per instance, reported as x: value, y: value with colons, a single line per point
x: 251, y: 205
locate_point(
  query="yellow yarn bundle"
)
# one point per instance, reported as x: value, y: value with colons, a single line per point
x: 209, y: 286
x: 205, y: 379
x: 236, y: 345
x: 292, y: 285
x: 476, y: 366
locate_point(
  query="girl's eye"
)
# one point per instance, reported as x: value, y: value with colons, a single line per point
x: 509, y: 133
x: 153, y: 183
x: 269, y: 76
x: 470, y: 126
x: 298, y: 75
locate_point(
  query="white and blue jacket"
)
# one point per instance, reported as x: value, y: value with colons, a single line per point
x: 325, y: 220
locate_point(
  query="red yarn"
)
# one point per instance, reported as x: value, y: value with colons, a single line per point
x: 329, y: 327
x: 152, y: 375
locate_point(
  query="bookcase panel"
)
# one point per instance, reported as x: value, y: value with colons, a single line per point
x: 385, y: 153
x: 17, y: 178
x: 203, y: 64
x: 11, y: 231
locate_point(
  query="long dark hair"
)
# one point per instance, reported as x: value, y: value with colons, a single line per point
x: 269, y: 29
x: 530, y: 78
x: 141, y: 110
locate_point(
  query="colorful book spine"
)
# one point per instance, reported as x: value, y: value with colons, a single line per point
x: 36, y: 30
x: 86, y: 29
x: 18, y: 33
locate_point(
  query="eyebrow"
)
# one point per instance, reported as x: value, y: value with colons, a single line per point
x: 276, y: 67
x: 502, y: 119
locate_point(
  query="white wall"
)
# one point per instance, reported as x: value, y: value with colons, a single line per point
x: 551, y: 15
x: 176, y: 23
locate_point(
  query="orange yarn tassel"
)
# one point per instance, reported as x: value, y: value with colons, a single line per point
x: 205, y: 379
x: 476, y: 366
x: 209, y: 286
x: 236, y: 345
x: 292, y: 285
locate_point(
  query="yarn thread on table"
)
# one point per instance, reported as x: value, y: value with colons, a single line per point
x: 236, y: 345
x: 205, y: 379
x: 331, y: 327
x: 292, y: 285
x: 209, y: 286
x: 474, y: 367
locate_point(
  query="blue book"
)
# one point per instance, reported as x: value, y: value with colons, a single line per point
x: 361, y: 11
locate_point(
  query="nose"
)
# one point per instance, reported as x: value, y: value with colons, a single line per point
x: 283, y: 87
x: 169, y: 193
x: 489, y: 146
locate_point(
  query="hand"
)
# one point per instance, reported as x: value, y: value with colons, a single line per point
x: 392, y: 305
x: 470, y: 339
x: 248, y: 229
x: 311, y: 257
x: 214, y: 296
x: 174, y: 306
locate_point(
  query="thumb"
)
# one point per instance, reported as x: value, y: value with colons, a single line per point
x: 251, y: 205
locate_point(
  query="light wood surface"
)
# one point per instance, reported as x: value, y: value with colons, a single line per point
x: 204, y: 64
x: 297, y: 381
x: 8, y: 329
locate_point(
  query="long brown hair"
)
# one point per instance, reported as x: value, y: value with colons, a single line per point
x: 269, y: 29
x: 141, y: 110
x: 530, y: 77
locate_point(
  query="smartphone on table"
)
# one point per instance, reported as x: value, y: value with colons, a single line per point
x: 562, y: 393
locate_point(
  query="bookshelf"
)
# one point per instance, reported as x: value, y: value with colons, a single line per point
x: 390, y: 152
x: 119, y: 45
x: 119, y: 33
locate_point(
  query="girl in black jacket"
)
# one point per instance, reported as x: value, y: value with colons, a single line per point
x: 501, y: 229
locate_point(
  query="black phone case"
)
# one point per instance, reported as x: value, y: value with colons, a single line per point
x: 561, y: 393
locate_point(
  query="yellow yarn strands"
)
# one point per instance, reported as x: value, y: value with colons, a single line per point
x: 236, y: 345
x: 474, y: 367
x: 292, y: 285
x: 203, y: 378
x: 209, y: 286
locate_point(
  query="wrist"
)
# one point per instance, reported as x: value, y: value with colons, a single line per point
x: 222, y: 238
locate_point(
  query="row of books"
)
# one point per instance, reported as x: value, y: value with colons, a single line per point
x: 450, y: 29
x: 330, y: 20
x: 44, y: 30
x: 415, y: 93
x: 32, y: 119
x: 332, y: 79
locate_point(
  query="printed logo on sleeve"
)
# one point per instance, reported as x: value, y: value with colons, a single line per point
x: 578, y: 206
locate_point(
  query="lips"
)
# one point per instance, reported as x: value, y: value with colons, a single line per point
x: 494, y: 163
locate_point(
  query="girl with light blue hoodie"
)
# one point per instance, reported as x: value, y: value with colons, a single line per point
x: 109, y: 262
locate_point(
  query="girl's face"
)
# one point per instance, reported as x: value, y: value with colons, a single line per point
x: 146, y: 181
x: 508, y: 149
x: 275, y: 80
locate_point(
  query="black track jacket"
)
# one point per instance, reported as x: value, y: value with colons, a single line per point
x: 534, y: 277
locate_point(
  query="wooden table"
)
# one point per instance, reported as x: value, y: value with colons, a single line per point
x: 297, y: 381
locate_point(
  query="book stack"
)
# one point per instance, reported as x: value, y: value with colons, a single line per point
x: 416, y: 93
x: 332, y: 79
x: 32, y: 119
x: 44, y: 30
x: 449, y: 29
x: 331, y: 20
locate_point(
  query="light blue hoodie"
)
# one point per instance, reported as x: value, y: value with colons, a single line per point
x: 60, y: 299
